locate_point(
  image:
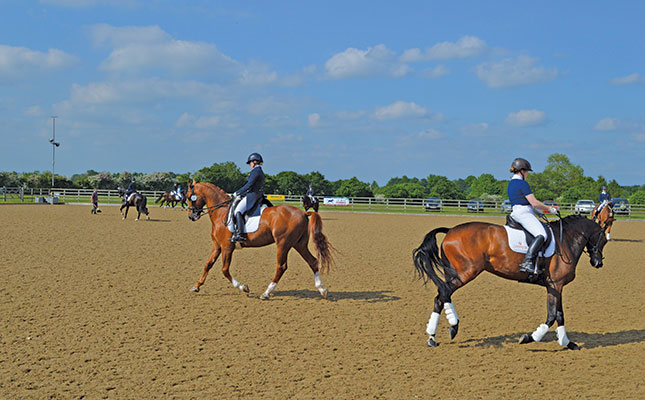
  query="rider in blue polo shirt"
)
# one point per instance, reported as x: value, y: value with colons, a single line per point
x: 604, y: 199
x: 524, y: 202
x: 248, y: 195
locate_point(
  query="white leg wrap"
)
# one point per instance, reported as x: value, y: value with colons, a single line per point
x: 317, y: 280
x: 608, y: 236
x: 236, y: 284
x: 563, y: 340
x: 540, y: 332
x: 272, y: 286
x: 431, y: 328
x: 451, y: 314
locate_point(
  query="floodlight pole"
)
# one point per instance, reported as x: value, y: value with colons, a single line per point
x: 53, y: 142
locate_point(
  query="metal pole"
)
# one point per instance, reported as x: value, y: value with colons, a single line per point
x: 53, y: 148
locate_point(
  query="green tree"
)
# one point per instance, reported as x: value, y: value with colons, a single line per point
x: 485, y: 184
x: 638, y: 197
x: 290, y: 182
x: 354, y: 188
x: 403, y: 190
x: 442, y: 187
x: 102, y: 180
x: 158, y: 181
x: 226, y: 176
x: 320, y: 184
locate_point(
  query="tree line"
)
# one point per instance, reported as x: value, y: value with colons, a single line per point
x: 561, y: 180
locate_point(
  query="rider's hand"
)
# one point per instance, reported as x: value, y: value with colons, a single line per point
x: 553, y: 210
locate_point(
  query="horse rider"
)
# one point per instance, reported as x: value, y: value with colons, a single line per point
x: 604, y: 199
x: 310, y: 193
x: 524, y: 203
x: 132, y: 188
x: 176, y: 192
x: 248, y: 195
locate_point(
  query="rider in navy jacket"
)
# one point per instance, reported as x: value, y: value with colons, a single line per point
x: 248, y: 195
x: 132, y: 187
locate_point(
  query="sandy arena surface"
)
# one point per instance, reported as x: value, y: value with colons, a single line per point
x: 96, y: 307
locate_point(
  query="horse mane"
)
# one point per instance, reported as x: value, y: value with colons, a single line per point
x: 218, y: 191
x: 573, y: 223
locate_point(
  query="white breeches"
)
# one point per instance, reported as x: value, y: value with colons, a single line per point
x: 525, y: 216
x: 601, y: 206
x: 241, y: 206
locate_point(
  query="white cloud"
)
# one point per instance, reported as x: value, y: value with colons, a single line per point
x: 190, y: 121
x: 629, y: 79
x: 476, y: 129
x: 20, y: 62
x: 435, y: 72
x: 314, y: 119
x: 640, y: 137
x: 144, y: 48
x: 467, y: 46
x: 377, y: 60
x: 607, y: 124
x: 514, y: 72
x: 526, y: 118
x: 398, y: 110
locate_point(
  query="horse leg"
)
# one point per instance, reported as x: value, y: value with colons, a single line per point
x: 282, y: 252
x: 126, y: 212
x: 560, y: 331
x: 303, y: 250
x: 433, y: 322
x: 226, y: 264
x: 215, y: 252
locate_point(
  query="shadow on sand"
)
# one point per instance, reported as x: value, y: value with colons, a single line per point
x: 584, y: 340
x: 626, y: 240
x: 376, y: 296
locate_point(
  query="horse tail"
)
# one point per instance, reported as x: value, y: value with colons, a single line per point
x: 324, y: 249
x: 428, y: 264
x: 160, y: 197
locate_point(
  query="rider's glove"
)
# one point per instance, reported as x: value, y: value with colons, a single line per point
x: 553, y: 210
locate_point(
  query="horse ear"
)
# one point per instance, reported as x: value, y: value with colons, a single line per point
x: 191, y: 184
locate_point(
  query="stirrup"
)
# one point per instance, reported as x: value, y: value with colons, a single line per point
x: 528, y: 266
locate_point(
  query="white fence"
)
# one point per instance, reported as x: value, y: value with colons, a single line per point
x: 399, y: 205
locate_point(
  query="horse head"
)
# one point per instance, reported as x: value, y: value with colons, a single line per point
x: 595, y: 242
x: 196, y: 201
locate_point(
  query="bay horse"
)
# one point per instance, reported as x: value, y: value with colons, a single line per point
x: 169, y: 199
x: 308, y: 203
x: 286, y: 226
x: 138, y: 201
x: 605, y: 218
x: 471, y: 248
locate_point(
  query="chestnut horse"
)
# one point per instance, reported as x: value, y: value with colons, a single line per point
x: 286, y: 226
x: 605, y: 218
x: 169, y: 199
x: 471, y: 248
x: 308, y: 203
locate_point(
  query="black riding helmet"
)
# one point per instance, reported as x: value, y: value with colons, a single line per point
x: 520, y: 164
x: 254, y: 157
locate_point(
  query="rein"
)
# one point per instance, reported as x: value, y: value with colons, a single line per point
x: 208, y: 210
x: 558, y: 247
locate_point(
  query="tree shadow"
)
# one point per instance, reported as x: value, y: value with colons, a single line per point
x: 377, y: 296
x: 584, y: 340
x: 626, y: 240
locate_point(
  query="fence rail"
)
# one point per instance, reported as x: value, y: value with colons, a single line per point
x: 365, y: 204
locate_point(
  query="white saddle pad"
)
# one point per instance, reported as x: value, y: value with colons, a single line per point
x: 517, y: 242
x: 252, y: 223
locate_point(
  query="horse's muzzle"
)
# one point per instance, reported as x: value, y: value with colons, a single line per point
x: 193, y: 216
x: 596, y: 263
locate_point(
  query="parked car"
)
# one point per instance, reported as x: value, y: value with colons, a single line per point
x: 584, y: 207
x: 551, y: 203
x: 475, y: 205
x: 506, y: 207
x: 433, y: 204
x: 621, y: 206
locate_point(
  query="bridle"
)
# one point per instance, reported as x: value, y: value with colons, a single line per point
x: 204, y: 210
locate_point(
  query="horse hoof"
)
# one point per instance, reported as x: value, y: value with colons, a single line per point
x: 432, y: 343
x: 136, y: 219
x: 323, y: 293
x: 453, y: 331
x: 148, y: 218
x: 245, y: 288
x: 526, y: 338
x: 265, y: 296
x: 123, y: 218
x: 573, y: 346
x: 194, y: 289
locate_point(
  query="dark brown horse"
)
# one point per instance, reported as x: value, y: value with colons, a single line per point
x: 138, y: 201
x: 308, y: 203
x: 169, y: 199
x: 286, y: 226
x: 471, y: 248
x: 605, y: 218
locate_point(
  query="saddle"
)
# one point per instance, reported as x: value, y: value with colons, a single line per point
x: 251, y: 217
x: 546, y: 249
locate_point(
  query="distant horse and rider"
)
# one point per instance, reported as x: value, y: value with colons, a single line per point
x: 286, y: 226
x: 309, y: 200
x: 132, y: 198
x: 603, y: 213
x: 170, y: 199
x: 469, y: 249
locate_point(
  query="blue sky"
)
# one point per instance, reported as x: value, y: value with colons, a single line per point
x: 373, y: 89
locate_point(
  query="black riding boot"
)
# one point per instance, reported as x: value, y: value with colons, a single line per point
x: 528, y: 265
x: 239, y: 224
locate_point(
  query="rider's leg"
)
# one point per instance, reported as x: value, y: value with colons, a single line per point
x: 524, y: 215
x: 238, y: 221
